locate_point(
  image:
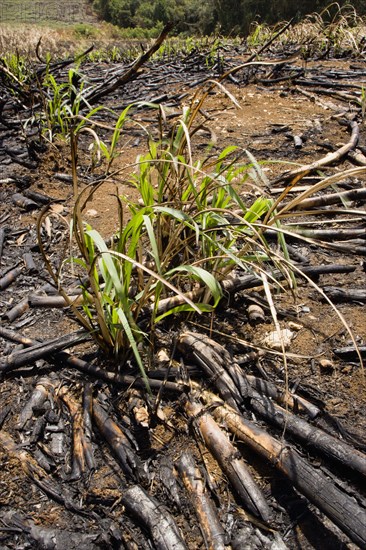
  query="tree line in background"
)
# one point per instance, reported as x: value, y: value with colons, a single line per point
x: 197, y: 17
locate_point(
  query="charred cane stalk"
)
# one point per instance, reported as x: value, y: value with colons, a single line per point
x: 156, y: 519
x: 212, y: 530
x: 340, y: 507
x: 229, y: 459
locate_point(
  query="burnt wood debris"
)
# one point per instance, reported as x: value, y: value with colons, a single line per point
x: 228, y: 451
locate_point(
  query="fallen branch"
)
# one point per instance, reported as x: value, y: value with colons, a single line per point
x: 349, y: 353
x: 214, y: 360
x: 332, y: 198
x: 335, y: 449
x: 58, y: 65
x: 154, y: 517
x: 37, y: 398
x: 41, y: 349
x: 94, y: 370
x: 325, y: 161
x: 283, y: 397
x: 16, y: 311
x: 357, y: 157
x: 212, y: 530
x: 36, y: 300
x: 10, y: 277
x: 2, y: 240
x: 321, y: 234
x: 118, y: 442
x: 82, y: 451
x: 345, y: 295
x: 4, y: 413
x: 168, y: 478
x: 94, y: 95
x: 229, y: 459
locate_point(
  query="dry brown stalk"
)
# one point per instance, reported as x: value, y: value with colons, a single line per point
x: 120, y: 445
x: 82, y: 457
x: 153, y: 516
x: 229, y: 459
x: 325, y: 161
x: 206, y: 512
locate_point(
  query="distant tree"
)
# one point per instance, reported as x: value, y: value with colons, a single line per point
x: 197, y: 16
x: 102, y: 7
x: 121, y: 12
x: 148, y: 14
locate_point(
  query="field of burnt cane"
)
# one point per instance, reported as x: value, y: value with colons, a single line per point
x: 182, y: 294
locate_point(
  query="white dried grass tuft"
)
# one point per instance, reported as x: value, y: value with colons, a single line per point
x: 23, y: 39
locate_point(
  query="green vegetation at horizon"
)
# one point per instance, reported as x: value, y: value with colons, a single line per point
x: 229, y: 17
